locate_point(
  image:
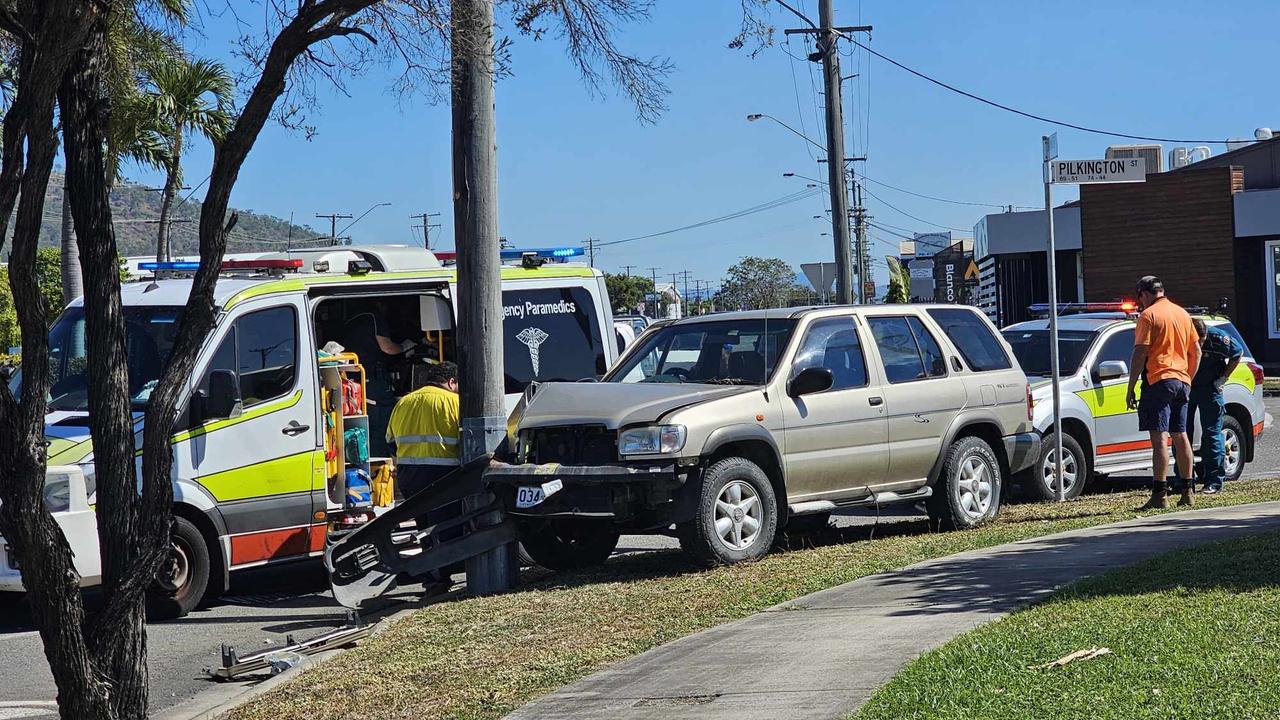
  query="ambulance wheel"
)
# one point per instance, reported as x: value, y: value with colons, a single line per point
x: 184, y: 576
x: 1038, y: 481
x: 568, y: 545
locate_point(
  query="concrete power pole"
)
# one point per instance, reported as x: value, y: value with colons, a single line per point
x: 333, y: 225
x: 475, y: 212
x: 862, y: 254
x: 826, y: 35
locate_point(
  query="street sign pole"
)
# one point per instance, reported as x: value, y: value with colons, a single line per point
x: 1050, y: 143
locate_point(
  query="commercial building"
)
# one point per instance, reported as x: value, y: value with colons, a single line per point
x: 940, y: 267
x: 1209, y: 229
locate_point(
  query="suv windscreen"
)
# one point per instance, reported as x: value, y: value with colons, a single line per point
x: 722, y: 352
x: 149, y: 332
x: 1031, y: 347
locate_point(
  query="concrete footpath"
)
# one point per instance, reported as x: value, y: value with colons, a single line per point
x: 823, y: 655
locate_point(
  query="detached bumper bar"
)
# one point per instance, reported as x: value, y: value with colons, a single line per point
x: 1022, y: 450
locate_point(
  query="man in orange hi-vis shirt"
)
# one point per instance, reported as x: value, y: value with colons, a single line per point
x: 1166, y: 354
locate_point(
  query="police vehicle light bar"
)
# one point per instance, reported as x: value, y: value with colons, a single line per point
x: 178, y: 265
x: 1127, y: 307
x: 561, y: 253
x: 548, y: 253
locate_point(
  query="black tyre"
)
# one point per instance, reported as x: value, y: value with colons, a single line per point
x: 1233, y: 443
x: 967, y: 493
x: 569, y: 545
x: 1037, y: 482
x: 736, y: 517
x: 184, y: 576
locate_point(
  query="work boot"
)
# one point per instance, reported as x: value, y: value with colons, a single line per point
x: 1159, y: 497
x: 1188, y: 498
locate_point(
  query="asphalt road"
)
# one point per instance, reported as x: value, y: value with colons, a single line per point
x: 267, y: 604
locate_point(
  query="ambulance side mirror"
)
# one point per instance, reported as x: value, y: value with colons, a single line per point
x: 224, y: 396
x: 1111, y: 370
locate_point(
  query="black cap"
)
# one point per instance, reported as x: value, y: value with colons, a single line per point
x: 1150, y: 283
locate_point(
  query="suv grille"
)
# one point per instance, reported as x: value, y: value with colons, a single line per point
x: 573, y: 445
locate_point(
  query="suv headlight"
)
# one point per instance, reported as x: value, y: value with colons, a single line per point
x: 652, y: 440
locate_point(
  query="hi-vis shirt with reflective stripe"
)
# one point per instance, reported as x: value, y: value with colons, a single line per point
x: 424, y: 427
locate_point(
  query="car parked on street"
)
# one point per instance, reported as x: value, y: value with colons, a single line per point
x: 722, y: 429
x: 1100, y: 433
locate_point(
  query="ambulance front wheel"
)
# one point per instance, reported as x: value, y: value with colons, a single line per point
x: 183, y: 577
x: 1038, y: 482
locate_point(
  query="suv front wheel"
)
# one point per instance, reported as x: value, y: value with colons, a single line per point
x: 736, y: 517
x: 967, y: 493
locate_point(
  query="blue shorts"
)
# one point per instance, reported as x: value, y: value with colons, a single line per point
x: 1163, y: 407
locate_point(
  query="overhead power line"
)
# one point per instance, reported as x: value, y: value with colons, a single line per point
x: 913, y: 217
x: 1024, y: 113
x: 770, y: 205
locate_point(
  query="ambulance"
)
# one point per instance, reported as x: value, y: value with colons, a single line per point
x: 1100, y: 433
x: 306, y: 343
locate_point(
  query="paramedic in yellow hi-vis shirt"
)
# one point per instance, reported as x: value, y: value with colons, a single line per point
x: 424, y: 432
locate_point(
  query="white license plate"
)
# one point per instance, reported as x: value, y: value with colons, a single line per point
x: 527, y: 497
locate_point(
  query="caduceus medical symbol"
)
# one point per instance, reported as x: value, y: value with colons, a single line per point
x: 533, y: 337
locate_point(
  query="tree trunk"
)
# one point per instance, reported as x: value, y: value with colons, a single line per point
x: 131, y: 545
x: 172, y: 178
x: 39, y: 545
x: 72, y: 283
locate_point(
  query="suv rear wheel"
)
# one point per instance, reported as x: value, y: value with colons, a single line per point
x: 736, y: 517
x: 967, y: 493
x: 1038, y: 481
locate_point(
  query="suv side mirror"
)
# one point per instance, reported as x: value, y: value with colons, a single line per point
x: 223, y: 400
x: 1112, y: 369
x: 811, y: 380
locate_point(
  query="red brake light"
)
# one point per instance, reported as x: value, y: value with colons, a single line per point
x: 1258, y: 375
x: 1031, y: 407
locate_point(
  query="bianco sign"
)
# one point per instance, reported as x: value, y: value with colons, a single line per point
x: 1114, y: 170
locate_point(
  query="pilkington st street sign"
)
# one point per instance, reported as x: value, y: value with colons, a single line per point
x: 1081, y: 172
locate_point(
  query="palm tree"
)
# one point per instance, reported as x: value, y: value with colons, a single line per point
x: 187, y: 96
x: 135, y: 40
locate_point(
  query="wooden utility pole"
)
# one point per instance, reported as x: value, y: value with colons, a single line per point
x: 475, y: 234
x: 426, y: 226
x: 333, y: 225
x: 657, y: 302
x: 826, y: 34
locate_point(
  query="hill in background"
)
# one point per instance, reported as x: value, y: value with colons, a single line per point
x: 132, y: 205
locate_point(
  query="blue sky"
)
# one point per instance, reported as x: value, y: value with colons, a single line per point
x: 573, y: 166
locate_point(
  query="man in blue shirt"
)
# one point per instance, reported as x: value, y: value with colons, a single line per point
x: 1219, y: 357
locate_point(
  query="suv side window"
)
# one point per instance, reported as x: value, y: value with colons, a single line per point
x: 898, y: 349
x: 934, y: 362
x: 832, y: 343
x: 1117, y: 346
x: 972, y: 336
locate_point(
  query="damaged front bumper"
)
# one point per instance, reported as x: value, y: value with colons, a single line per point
x: 636, y: 495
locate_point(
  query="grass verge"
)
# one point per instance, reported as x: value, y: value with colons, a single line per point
x: 482, y: 657
x: 1193, y: 634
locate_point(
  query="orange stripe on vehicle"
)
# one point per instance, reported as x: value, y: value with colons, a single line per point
x: 1127, y: 447
x: 318, y: 535
x: 275, y: 544
x: 1257, y: 429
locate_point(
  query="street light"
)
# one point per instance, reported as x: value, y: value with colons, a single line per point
x: 366, y: 212
x: 756, y: 116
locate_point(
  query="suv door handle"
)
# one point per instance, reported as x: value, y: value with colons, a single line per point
x: 875, y: 400
x: 294, y: 428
